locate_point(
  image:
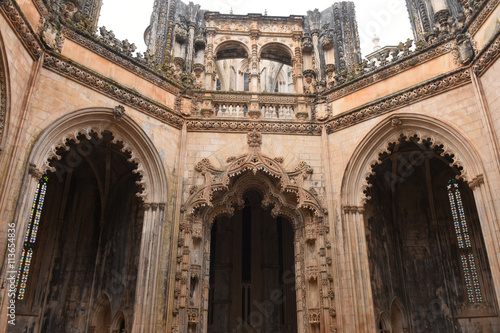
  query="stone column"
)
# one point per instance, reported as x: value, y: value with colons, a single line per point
x: 358, y: 313
x: 489, y: 226
x: 254, y: 62
x: 210, y: 72
x: 146, y: 291
x: 298, y: 64
x: 316, y: 58
x: 190, y: 49
x: 299, y: 282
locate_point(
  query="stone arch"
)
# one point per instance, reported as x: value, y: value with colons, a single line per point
x: 272, y: 198
x: 4, y: 94
x: 359, y: 168
x: 101, y: 316
x: 384, y: 323
x: 399, y: 322
x: 277, y: 51
x: 124, y: 129
x: 229, y: 49
x: 244, y: 65
x: 355, y: 182
x: 283, y: 192
x: 153, y: 191
x: 119, y: 322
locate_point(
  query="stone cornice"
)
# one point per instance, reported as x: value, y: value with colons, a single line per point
x: 399, y: 100
x: 482, y: 16
x: 243, y: 126
x: 123, y: 61
x: 112, y: 89
x: 40, y: 6
x: 391, y: 70
x: 22, y: 28
x: 107, y: 86
x: 487, y: 56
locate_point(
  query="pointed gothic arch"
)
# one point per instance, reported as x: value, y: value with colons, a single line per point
x: 283, y: 192
x: 101, y: 316
x: 366, y: 154
x: 450, y: 144
x: 4, y: 95
x: 399, y: 322
x: 152, y: 185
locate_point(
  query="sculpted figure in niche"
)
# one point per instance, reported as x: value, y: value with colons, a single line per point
x: 310, y: 83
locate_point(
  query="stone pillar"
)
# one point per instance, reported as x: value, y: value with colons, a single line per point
x: 254, y: 62
x: 146, y: 291
x: 298, y: 64
x: 92, y: 9
x: 358, y: 313
x: 299, y: 283
x: 190, y: 48
x: 489, y: 226
x: 316, y: 58
x: 210, y: 72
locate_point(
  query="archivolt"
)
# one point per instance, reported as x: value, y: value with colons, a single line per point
x: 421, y: 127
x: 4, y: 93
x: 134, y: 140
x: 224, y: 188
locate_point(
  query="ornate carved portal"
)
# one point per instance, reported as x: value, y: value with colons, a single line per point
x: 284, y: 194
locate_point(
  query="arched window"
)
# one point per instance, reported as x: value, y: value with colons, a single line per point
x: 246, y: 81
x: 464, y: 244
x: 30, y: 237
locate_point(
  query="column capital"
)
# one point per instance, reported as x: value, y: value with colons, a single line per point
x: 476, y: 182
x: 35, y: 172
x: 353, y: 209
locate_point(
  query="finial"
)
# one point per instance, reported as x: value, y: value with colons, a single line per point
x: 231, y: 11
x: 376, y: 40
x: 265, y: 12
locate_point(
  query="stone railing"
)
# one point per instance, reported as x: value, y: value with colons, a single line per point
x: 254, y: 106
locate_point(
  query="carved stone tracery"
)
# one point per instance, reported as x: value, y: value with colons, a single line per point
x: 282, y: 191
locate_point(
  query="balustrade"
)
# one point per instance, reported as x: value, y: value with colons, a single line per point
x: 276, y: 111
x: 231, y: 110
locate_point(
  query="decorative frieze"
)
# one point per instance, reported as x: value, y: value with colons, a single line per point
x: 405, y: 98
x: 483, y: 15
x: 391, y: 69
x: 26, y: 33
x: 126, y: 62
x: 108, y: 87
x: 249, y: 125
x: 488, y: 56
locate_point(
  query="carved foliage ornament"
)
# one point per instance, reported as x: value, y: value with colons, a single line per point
x: 256, y: 162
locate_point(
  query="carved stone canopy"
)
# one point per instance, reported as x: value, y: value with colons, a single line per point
x: 224, y: 187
